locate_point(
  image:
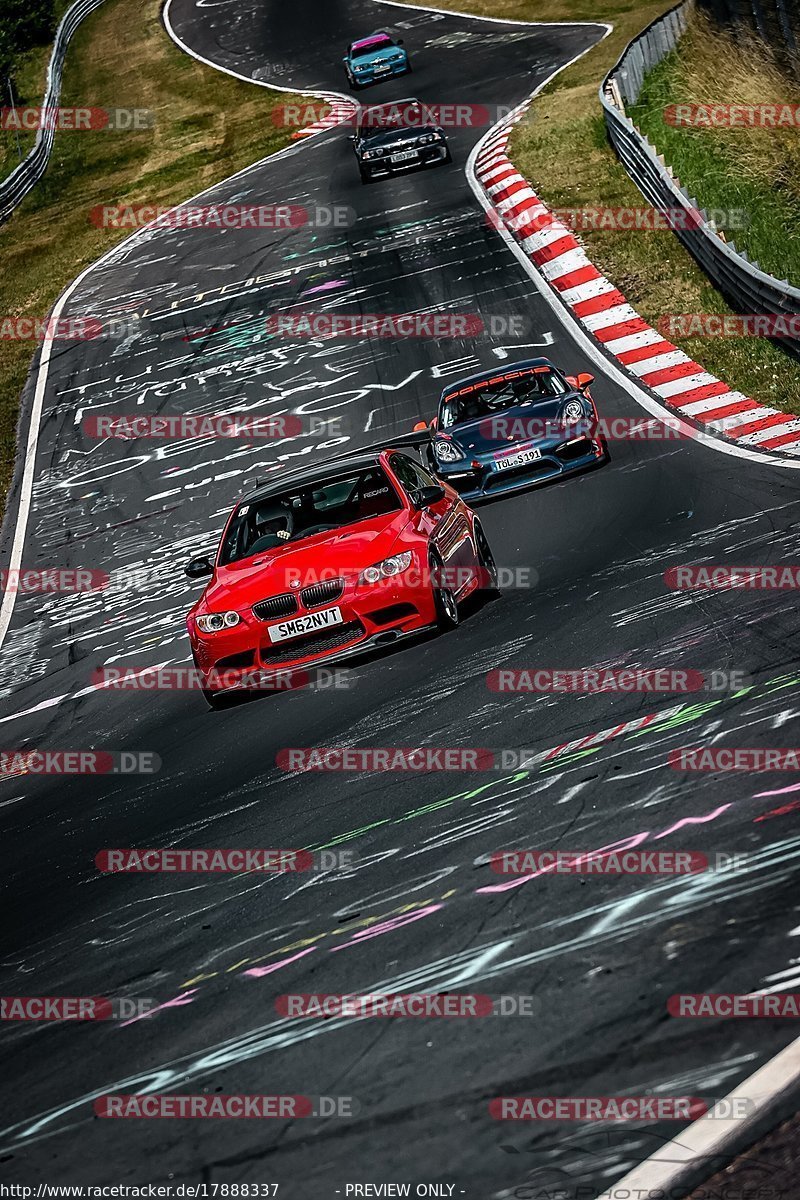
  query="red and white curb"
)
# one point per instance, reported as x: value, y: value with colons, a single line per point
x: 341, y: 110
x: 678, y: 382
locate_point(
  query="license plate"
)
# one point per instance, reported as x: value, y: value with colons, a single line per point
x: 404, y: 155
x: 517, y: 460
x: 308, y: 624
x: 383, y: 68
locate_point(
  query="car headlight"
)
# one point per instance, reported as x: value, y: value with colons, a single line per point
x: 374, y: 153
x: 427, y: 138
x: 397, y: 58
x: 384, y: 570
x: 573, y: 412
x: 447, y: 452
x: 214, y: 622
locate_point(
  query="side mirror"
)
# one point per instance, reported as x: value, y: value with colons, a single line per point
x: 583, y: 380
x: 198, y: 568
x: 399, y: 42
x: 427, y: 496
x: 351, y: 137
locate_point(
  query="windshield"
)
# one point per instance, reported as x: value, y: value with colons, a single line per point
x: 301, y: 512
x: 484, y: 400
x: 362, y: 49
x: 389, y: 118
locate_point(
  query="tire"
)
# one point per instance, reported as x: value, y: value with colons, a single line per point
x: 214, y: 699
x: 448, y: 158
x: 443, y: 598
x: 409, y: 70
x: 365, y: 175
x: 486, y: 562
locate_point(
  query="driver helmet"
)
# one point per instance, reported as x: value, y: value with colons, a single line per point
x: 274, y: 518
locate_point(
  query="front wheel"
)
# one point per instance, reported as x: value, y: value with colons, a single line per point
x: 365, y: 175
x: 448, y: 158
x: 487, y: 567
x: 444, y: 598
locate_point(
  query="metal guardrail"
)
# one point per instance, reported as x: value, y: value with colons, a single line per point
x: 17, y: 185
x: 744, y: 285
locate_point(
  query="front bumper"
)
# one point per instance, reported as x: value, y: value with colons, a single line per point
x: 485, y: 480
x: 372, y: 616
x: 382, y: 168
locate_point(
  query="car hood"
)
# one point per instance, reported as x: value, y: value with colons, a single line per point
x: 537, y: 424
x: 365, y: 60
x: 324, y: 556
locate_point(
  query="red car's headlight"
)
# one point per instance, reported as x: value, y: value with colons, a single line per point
x: 385, y: 569
x: 214, y: 622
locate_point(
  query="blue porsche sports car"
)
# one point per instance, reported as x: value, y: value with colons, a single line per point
x: 376, y: 57
x: 508, y: 429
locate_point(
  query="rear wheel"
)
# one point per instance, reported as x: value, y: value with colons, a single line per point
x: 487, y: 565
x: 443, y: 596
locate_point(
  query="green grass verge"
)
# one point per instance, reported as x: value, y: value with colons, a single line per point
x: 207, y: 126
x: 756, y: 171
x: 563, y: 150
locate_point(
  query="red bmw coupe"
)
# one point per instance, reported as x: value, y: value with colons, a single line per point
x: 332, y: 560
